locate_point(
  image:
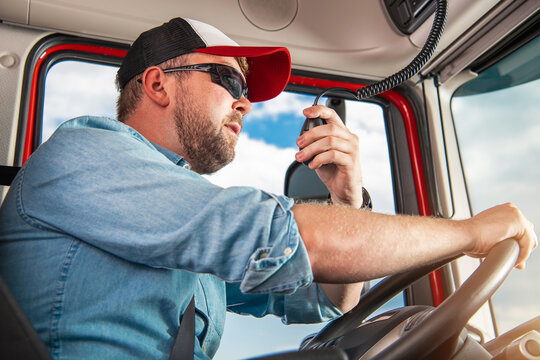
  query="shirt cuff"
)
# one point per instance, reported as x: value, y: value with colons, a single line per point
x: 309, y: 305
x: 283, y: 267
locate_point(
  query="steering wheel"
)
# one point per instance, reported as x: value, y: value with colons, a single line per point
x: 444, y: 322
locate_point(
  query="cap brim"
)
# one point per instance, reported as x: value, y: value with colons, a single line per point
x: 269, y: 68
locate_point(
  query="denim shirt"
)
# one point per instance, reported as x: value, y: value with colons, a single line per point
x: 105, y: 237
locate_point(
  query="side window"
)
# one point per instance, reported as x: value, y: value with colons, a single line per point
x: 496, y: 120
x: 265, y: 150
x: 76, y: 88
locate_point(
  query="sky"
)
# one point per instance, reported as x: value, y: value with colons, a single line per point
x: 266, y: 148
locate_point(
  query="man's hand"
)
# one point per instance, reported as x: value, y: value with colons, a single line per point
x: 336, y: 157
x: 499, y: 223
x: 337, y: 162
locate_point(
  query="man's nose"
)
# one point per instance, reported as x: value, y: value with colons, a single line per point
x: 242, y: 105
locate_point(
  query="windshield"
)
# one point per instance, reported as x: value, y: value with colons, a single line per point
x: 496, y: 120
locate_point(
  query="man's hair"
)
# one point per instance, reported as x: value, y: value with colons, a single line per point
x: 244, y: 67
x: 131, y: 94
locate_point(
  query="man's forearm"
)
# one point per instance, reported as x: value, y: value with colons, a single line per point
x: 347, y: 245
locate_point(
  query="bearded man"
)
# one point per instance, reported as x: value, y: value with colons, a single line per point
x: 109, y: 232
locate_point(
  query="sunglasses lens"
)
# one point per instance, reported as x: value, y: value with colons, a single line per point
x: 232, y: 81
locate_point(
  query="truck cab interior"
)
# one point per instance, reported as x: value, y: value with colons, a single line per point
x: 449, y: 139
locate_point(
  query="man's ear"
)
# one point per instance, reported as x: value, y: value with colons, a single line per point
x: 153, y: 83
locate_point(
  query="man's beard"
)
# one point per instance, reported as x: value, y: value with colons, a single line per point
x: 206, y: 147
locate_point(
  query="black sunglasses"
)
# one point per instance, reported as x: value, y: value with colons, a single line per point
x: 226, y: 76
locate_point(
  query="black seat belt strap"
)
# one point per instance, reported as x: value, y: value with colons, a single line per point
x: 184, y: 343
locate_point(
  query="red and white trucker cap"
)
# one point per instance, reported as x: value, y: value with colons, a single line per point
x: 269, y: 67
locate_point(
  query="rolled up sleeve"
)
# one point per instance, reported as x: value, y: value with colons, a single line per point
x: 283, y: 267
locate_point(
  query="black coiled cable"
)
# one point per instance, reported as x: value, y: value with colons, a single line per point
x: 410, y: 70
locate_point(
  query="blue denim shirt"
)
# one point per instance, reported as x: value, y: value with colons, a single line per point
x: 105, y: 237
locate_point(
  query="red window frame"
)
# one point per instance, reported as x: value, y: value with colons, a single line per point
x: 38, y: 68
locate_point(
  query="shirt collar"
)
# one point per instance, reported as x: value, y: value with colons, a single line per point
x: 172, y: 156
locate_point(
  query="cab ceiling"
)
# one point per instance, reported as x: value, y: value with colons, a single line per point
x: 346, y: 37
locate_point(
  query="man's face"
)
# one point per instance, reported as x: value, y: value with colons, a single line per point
x: 208, y: 119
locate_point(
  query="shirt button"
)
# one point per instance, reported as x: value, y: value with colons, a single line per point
x: 186, y: 166
x: 287, y: 251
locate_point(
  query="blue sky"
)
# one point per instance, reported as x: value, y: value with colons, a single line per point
x: 267, y: 147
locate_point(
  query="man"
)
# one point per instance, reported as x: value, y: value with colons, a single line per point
x: 109, y: 230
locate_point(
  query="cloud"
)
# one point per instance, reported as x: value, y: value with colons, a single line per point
x: 256, y: 164
x: 500, y: 148
x: 75, y: 88
x: 285, y: 104
x: 367, y: 116
x: 367, y: 122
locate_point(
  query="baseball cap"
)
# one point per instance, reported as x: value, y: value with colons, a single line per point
x: 269, y: 67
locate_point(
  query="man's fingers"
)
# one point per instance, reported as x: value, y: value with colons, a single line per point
x: 323, y: 112
x: 332, y: 136
x: 329, y: 143
x: 330, y: 157
x: 535, y: 237
x: 319, y: 132
x: 524, y: 253
x: 527, y: 243
x: 503, y: 222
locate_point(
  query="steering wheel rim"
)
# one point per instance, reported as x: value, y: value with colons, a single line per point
x: 447, y: 319
x: 376, y: 297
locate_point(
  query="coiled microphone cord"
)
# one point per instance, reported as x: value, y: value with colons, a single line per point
x: 410, y: 70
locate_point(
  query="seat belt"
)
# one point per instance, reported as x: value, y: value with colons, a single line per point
x: 184, y: 343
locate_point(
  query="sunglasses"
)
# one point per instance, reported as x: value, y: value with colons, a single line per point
x: 226, y: 76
